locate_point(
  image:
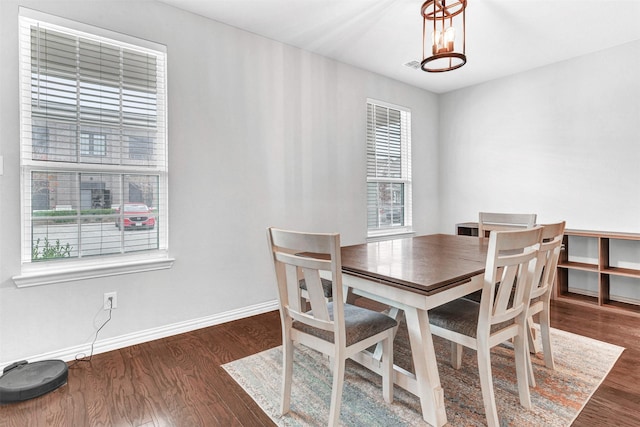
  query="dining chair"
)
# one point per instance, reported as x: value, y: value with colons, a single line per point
x: 337, y: 329
x: 489, y: 221
x: 544, y: 278
x: 500, y: 315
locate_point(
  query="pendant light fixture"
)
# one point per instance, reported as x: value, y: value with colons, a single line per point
x: 445, y: 39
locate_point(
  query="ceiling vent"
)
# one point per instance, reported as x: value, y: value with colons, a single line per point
x: 413, y: 64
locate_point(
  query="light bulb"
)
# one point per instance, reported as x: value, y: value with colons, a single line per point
x: 449, y: 37
x: 436, y: 39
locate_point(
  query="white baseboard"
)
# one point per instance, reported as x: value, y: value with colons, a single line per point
x: 115, y: 343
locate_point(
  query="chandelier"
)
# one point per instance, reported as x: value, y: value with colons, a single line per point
x: 441, y: 14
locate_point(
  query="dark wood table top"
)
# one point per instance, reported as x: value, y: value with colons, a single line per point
x: 423, y: 264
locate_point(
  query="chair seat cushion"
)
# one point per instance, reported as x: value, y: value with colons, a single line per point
x: 475, y: 296
x: 360, y: 323
x: 461, y: 316
x: 326, y: 287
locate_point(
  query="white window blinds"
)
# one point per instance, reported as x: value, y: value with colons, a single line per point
x: 388, y: 168
x: 104, y: 89
x: 93, y: 142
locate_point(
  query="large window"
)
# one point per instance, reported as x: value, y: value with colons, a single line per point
x: 93, y: 147
x: 388, y: 168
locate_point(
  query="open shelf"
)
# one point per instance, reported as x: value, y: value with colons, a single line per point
x: 627, y: 307
x: 467, y: 229
x: 580, y: 298
x: 579, y: 266
x: 619, y: 271
x: 601, y: 269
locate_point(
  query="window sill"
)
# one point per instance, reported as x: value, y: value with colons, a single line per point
x: 390, y: 234
x: 91, y: 271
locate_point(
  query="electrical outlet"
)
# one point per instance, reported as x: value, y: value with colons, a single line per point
x: 113, y: 296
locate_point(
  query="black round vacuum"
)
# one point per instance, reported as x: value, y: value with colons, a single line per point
x: 23, y: 380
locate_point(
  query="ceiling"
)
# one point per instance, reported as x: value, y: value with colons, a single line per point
x: 503, y: 36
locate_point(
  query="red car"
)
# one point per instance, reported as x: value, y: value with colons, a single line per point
x: 136, y: 215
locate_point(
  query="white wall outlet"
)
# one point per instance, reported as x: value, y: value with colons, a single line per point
x: 110, y: 300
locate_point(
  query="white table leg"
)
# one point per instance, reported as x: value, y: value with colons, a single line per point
x: 426, y: 367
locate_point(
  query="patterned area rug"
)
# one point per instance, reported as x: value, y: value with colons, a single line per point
x: 581, y: 365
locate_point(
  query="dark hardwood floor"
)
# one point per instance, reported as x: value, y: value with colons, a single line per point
x: 617, y: 400
x: 178, y: 381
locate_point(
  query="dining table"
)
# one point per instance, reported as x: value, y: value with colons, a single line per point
x: 413, y: 275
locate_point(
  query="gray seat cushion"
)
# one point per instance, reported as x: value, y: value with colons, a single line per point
x: 475, y: 296
x: 460, y: 316
x: 326, y: 287
x: 360, y: 323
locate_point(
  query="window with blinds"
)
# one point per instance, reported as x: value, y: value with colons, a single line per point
x: 388, y: 168
x: 93, y: 143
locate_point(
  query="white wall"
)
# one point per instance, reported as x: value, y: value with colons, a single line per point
x: 562, y: 141
x: 260, y: 134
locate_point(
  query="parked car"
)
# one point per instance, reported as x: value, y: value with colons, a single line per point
x: 136, y: 216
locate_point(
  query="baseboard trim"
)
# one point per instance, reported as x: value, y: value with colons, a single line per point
x: 122, y: 341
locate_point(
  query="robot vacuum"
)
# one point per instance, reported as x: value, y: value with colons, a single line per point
x: 23, y: 380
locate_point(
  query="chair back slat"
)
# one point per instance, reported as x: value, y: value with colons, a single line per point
x: 320, y: 243
x: 304, y: 261
x: 311, y: 320
x: 293, y: 293
x: 505, y: 289
x: 495, y: 221
x: 316, y: 293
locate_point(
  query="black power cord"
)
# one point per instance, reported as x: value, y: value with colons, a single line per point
x: 82, y: 357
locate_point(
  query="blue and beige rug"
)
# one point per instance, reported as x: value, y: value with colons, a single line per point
x: 581, y: 365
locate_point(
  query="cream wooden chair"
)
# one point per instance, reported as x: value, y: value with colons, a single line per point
x: 489, y: 221
x: 501, y: 314
x: 546, y: 269
x: 335, y: 328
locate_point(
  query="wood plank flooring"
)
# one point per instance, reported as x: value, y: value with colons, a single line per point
x: 178, y: 381
x: 617, y: 400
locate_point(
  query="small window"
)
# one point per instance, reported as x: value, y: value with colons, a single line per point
x: 388, y: 169
x: 140, y: 148
x: 93, y: 144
